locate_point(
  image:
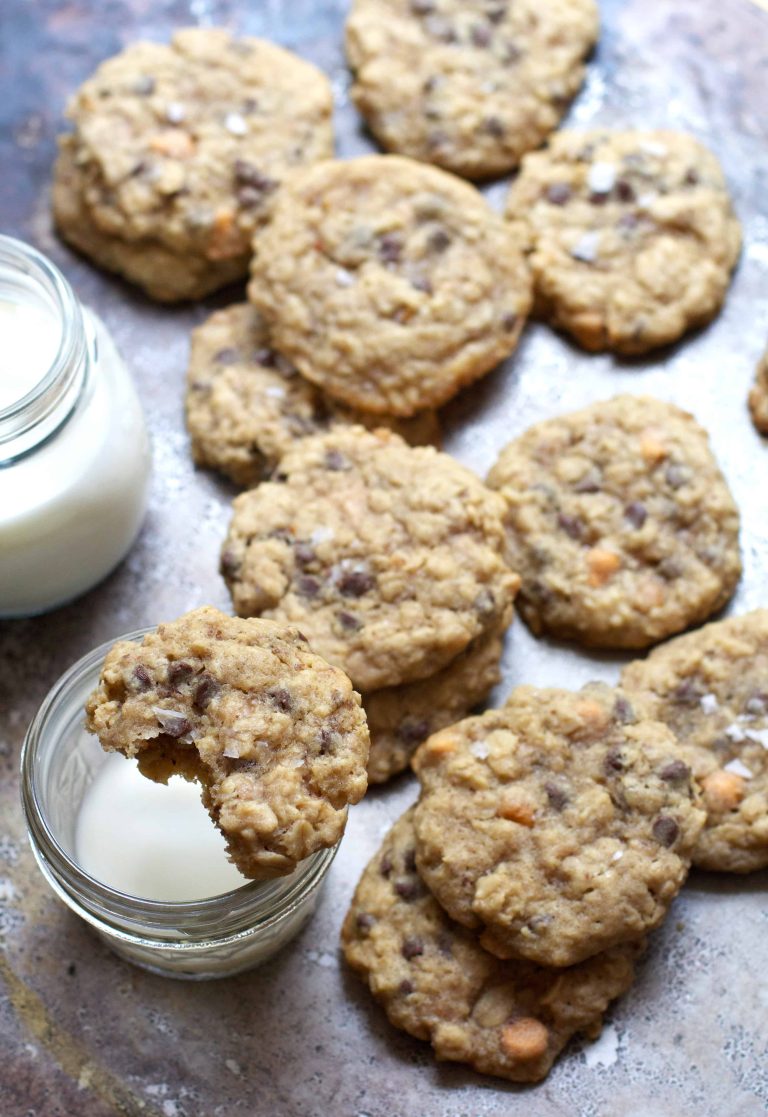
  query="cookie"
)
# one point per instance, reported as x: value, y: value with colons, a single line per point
x: 177, y: 151
x: 436, y: 982
x: 711, y: 689
x: 758, y: 396
x: 470, y: 87
x: 389, y: 283
x: 247, y: 405
x: 400, y: 718
x: 274, y: 734
x: 560, y: 825
x: 387, y: 557
x: 620, y: 523
x: 632, y: 237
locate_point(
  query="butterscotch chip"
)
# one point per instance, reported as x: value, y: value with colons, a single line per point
x: 632, y: 235
x: 247, y: 405
x: 178, y: 150
x: 710, y: 688
x: 618, y: 547
x: 435, y: 980
x: 274, y: 734
x: 758, y: 396
x: 470, y: 87
x: 554, y: 843
x: 387, y: 557
x: 389, y: 283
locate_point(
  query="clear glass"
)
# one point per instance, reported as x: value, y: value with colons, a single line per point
x: 74, y: 452
x: 197, y: 939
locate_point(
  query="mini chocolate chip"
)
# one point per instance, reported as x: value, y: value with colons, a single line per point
x: 571, y: 525
x: 557, y: 797
x: 509, y: 322
x: 597, y: 198
x: 675, y: 475
x: 438, y: 240
x: 670, y: 568
x: 355, y: 583
x: 142, y: 677
x: 412, y: 947
x: 590, y: 482
x: 665, y: 830
x: 308, y: 586
x: 335, y: 461
x: 445, y: 943
x: 349, y: 621
x: 385, y: 865
x: 623, y: 711
x: 248, y: 174
x: 304, y: 554
x: 511, y: 53
x: 328, y: 740
x: 405, y: 987
x: 496, y: 13
x: 265, y: 357
x: 249, y: 197
x: 412, y: 731
x: 636, y: 513
x: 614, y: 762
x: 421, y: 283
x: 364, y: 922
x: 625, y: 191
x: 409, y: 860
x: 485, y: 602
x: 422, y: 7
x: 227, y: 356
x: 493, y: 126
x: 143, y: 86
x: 675, y: 770
x: 250, y: 105
x: 390, y: 248
x: 408, y: 890
x: 281, y: 698
x: 687, y: 692
x: 207, y: 689
x: 481, y: 35
x: 692, y: 177
x: 558, y: 193
x: 229, y: 564
x: 179, y: 673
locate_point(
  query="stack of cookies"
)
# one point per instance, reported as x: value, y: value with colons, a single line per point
x: 506, y: 910
x: 389, y: 558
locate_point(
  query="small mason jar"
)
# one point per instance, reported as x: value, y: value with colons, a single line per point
x: 213, y: 937
x: 74, y: 453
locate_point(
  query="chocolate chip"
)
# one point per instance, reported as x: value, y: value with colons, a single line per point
x: 445, y: 943
x: 625, y: 191
x: 248, y: 174
x: 558, y: 193
x: 229, y: 564
x: 308, y: 586
x: 590, y: 482
x: 665, y: 830
x: 496, y: 13
x: 494, y: 126
x: 180, y: 673
x: 687, y: 693
x: 412, y: 947
x: 557, y: 797
x: 143, y: 86
x: 485, y: 603
x: 227, y: 356
x: 481, y: 35
x: 623, y: 711
x: 571, y: 525
x: 328, y: 740
x: 304, y: 554
x: 409, y: 860
x: 142, y: 677
x: 280, y: 698
x: 355, y: 583
x: 412, y: 731
x: 408, y: 890
x: 207, y: 689
x: 509, y: 322
x: 675, y: 475
x: 349, y: 621
x: 636, y: 513
x: 264, y: 357
x: 385, y: 865
x: 335, y: 461
x: 173, y: 725
x: 675, y: 770
x: 405, y: 987
x: 598, y: 198
x: 390, y: 248
x: 364, y: 922
x: 438, y: 240
x: 614, y: 762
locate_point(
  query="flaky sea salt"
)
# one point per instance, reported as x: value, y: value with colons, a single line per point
x: 479, y: 750
x: 738, y: 769
x: 735, y: 733
x: 236, y: 124
x: 759, y: 735
x: 602, y: 177
x: 709, y: 703
x: 585, y: 248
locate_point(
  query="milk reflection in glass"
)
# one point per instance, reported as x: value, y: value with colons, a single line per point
x: 29, y: 341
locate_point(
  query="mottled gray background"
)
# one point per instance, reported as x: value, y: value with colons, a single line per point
x: 86, y: 1034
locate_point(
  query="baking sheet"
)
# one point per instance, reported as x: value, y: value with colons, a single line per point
x: 84, y: 1033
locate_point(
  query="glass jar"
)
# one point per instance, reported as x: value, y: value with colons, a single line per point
x: 198, y: 939
x: 74, y: 453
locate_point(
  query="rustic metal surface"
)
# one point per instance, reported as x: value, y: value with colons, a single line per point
x: 83, y: 1033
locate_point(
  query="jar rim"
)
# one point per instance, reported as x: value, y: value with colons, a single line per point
x: 223, y: 917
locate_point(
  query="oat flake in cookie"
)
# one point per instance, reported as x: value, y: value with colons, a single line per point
x: 274, y: 734
x: 758, y: 396
x: 620, y: 523
x: 435, y: 981
x: 632, y: 237
x: 389, y: 283
x: 247, y: 405
x: 177, y: 151
x: 470, y: 87
x: 387, y: 557
x: 711, y: 689
x: 560, y: 825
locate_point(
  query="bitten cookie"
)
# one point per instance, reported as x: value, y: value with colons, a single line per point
x: 176, y: 152
x: 387, y: 557
x: 247, y: 405
x: 274, y: 734
x: 400, y: 718
x: 561, y: 824
x: 632, y: 237
x: 389, y: 283
x: 436, y: 982
x: 620, y: 523
x: 471, y: 87
x: 711, y: 689
x: 758, y: 396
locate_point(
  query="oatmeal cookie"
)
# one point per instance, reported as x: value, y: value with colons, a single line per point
x: 711, y: 688
x: 274, y: 734
x: 632, y: 236
x: 758, y: 396
x: 400, y: 718
x: 177, y: 151
x: 437, y: 983
x: 389, y: 283
x: 247, y: 405
x: 470, y: 87
x: 620, y: 522
x: 561, y: 824
x: 387, y: 557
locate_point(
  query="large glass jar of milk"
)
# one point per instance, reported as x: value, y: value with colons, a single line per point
x: 74, y: 454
